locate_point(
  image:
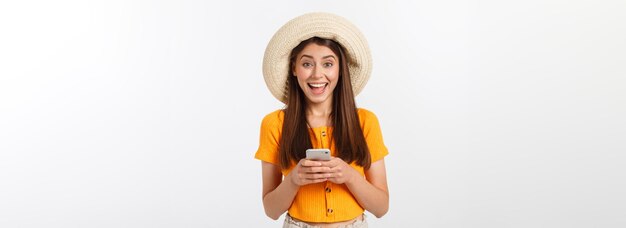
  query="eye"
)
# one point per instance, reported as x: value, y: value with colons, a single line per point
x: 328, y: 64
x: 306, y: 64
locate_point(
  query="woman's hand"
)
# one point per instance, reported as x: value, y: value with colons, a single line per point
x: 309, y: 172
x: 341, y: 172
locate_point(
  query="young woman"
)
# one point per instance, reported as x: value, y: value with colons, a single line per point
x: 316, y: 64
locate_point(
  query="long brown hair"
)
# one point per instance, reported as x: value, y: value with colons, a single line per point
x: 347, y: 132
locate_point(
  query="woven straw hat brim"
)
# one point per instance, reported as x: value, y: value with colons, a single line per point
x: 324, y: 25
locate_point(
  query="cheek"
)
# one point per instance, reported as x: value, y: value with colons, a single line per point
x: 333, y: 76
x: 301, y: 72
x: 301, y: 77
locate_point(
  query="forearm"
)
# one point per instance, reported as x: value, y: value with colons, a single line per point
x: 279, y: 200
x: 372, y: 198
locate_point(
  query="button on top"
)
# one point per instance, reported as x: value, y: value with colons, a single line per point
x: 329, y: 210
x: 328, y: 189
x: 323, y: 133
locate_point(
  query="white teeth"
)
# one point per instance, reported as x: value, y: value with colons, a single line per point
x: 318, y: 85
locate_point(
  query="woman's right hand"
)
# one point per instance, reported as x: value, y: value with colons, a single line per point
x: 309, y: 172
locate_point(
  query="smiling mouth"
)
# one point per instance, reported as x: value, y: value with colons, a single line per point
x: 317, y: 88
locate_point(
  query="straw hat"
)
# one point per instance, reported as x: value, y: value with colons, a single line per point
x: 324, y: 25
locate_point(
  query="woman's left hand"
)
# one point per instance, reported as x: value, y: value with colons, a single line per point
x: 341, y: 172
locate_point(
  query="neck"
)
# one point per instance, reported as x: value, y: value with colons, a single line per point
x: 319, y: 109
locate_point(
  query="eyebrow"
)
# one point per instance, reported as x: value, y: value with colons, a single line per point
x: 325, y: 57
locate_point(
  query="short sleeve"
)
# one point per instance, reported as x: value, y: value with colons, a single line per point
x: 373, y: 135
x: 271, y: 127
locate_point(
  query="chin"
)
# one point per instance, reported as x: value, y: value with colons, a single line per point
x: 317, y: 100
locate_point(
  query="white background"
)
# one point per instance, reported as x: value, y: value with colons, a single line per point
x: 147, y: 113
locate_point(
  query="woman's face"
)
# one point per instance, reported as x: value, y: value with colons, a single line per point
x: 317, y: 70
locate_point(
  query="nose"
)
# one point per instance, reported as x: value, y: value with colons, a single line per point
x: 318, y: 71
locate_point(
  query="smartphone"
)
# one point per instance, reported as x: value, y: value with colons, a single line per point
x: 318, y: 154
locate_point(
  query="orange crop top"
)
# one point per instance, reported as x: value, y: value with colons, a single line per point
x: 326, y: 201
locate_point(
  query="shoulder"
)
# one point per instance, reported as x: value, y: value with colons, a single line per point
x: 368, y: 120
x: 366, y: 115
x: 274, y: 118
